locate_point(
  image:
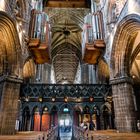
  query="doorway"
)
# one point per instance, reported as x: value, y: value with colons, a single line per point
x: 65, y: 124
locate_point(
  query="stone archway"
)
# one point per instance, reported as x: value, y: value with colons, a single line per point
x: 77, y: 115
x: 11, y: 74
x: 29, y: 70
x: 10, y: 48
x: 26, y: 119
x: 54, y: 116
x: 65, y: 118
x: 103, y: 71
x: 120, y: 73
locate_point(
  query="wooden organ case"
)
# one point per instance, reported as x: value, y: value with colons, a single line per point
x: 94, y: 42
x: 39, y: 37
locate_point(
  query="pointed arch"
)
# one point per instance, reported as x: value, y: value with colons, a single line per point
x: 46, y: 108
x: 106, y: 106
x: 78, y: 108
x: 121, y: 49
x: 29, y: 69
x: 86, y: 109
x: 26, y: 107
x: 10, y: 49
x: 69, y: 106
x: 54, y: 108
x: 26, y: 118
x: 103, y: 71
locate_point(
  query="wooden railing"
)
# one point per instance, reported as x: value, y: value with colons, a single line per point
x: 46, y: 91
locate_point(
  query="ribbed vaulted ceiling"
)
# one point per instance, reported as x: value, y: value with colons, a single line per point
x: 66, y: 28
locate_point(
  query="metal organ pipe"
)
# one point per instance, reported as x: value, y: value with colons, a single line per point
x: 97, y: 21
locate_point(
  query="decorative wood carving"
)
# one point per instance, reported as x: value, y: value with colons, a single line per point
x: 93, y: 51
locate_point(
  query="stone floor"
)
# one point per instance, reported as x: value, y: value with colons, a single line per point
x: 113, y: 135
x: 93, y: 135
x: 23, y: 136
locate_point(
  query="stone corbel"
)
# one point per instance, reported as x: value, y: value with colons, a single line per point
x: 10, y: 78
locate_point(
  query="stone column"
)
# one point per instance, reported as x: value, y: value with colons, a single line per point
x: 51, y: 119
x: 31, y: 121
x: 94, y: 74
x: 98, y: 122
x: 9, y: 95
x: 41, y: 113
x: 82, y: 117
x: 85, y: 74
x: 21, y: 119
x: 102, y: 126
x: 110, y: 121
x: 22, y: 122
x: 90, y: 71
x: 124, y: 104
x: 91, y: 126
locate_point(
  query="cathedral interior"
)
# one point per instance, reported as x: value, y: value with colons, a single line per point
x: 69, y: 69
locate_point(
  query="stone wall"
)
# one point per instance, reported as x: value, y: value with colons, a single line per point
x: 111, y: 26
x: 9, y: 106
x: 125, y: 118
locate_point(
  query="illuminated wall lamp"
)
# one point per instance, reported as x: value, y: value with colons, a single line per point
x: 91, y: 99
x: 53, y: 99
x: 40, y: 99
x: 66, y: 99
x: 27, y: 99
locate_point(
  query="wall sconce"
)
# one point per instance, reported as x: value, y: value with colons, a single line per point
x: 27, y: 99
x: 91, y: 99
x: 66, y: 99
x: 40, y: 99
x: 79, y: 99
x: 95, y: 108
x: 23, y: 31
x: 133, y: 76
x: 20, y: 23
x: 53, y: 99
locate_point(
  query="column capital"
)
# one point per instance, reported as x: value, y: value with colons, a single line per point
x: 10, y: 78
x: 119, y: 80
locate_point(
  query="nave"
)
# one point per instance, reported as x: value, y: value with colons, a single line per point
x: 69, y: 69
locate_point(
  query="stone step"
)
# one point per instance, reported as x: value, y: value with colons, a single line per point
x: 24, y: 136
x: 112, y: 135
